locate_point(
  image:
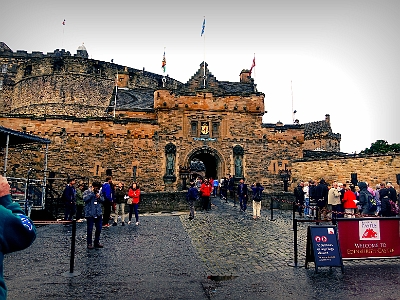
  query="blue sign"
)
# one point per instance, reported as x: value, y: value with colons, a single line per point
x: 323, y: 247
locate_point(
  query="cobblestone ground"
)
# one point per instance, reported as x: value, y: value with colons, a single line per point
x: 170, y: 257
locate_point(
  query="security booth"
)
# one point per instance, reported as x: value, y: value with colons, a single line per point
x: 29, y: 192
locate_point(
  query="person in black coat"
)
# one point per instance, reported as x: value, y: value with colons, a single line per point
x: 321, y: 195
x: 242, y: 194
x: 299, y: 195
x: 386, y: 208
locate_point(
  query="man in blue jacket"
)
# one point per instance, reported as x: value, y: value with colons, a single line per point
x: 17, y: 232
x: 108, y: 194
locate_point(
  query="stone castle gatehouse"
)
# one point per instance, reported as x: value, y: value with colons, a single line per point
x: 105, y: 118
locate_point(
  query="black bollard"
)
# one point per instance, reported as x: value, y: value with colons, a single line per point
x: 72, y: 258
x: 294, y: 214
x: 271, y: 207
x: 294, y: 264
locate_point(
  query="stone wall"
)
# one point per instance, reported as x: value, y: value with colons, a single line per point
x: 373, y: 169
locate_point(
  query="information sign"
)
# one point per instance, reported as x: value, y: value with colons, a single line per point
x: 323, y: 247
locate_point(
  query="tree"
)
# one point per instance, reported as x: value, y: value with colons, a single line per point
x: 381, y: 146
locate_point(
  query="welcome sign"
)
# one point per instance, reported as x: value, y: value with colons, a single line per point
x: 369, y: 237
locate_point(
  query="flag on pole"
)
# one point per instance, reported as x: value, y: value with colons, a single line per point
x: 203, y: 27
x: 63, y: 22
x: 252, y: 65
x: 164, y: 63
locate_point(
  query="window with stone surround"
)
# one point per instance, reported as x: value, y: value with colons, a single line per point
x: 193, y: 128
x: 215, y: 129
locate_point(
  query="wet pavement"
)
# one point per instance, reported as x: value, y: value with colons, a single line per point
x: 221, y: 254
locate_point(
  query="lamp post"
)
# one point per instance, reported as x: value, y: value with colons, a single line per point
x: 184, y: 175
x: 285, y: 176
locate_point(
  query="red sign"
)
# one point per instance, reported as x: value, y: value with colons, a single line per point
x: 369, y: 237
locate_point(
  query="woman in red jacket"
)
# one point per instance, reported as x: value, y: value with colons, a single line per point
x: 205, y: 191
x: 349, y: 202
x: 133, y: 202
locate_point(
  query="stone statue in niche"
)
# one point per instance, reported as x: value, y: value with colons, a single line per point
x: 170, y: 152
x: 170, y: 163
x: 238, y: 167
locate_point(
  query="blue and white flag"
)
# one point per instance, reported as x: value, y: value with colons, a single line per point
x: 204, y: 27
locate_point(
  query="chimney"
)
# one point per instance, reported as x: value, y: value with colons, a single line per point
x: 328, y: 119
x: 245, y: 76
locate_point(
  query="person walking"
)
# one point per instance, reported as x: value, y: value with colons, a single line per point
x: 133, y: 201
x: 80, y: 204
x: 191, y: 197
x: 93, y: 199
x: 120, y: 194
x: 231, y: 188
x: 215, y: 187
x: 306, y: 199
x: 69, y: 196
x: 17, y: 231
x: 321, y: 195
x: 242, y: 194
x: 107, y: 192
x: 257, y: 189
x: 299, y: 196
x: 334, y: 201
x: 205, y: 192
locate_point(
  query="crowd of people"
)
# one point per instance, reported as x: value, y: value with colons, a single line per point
x: 202, y: 189
x: 96, y: 204
x: 325, y: 201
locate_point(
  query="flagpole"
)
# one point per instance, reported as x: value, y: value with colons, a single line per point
x: 204, y: 61
x: 116, y: 90
x: 254, y: 59
x: 163, y: 65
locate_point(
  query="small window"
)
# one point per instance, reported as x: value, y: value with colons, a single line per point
x: 215, y: 129
x: 4, y: 68
x: 193, y: 128
x: 1, y: 85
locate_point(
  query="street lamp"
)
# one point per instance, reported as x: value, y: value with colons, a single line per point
x: 184, y: 172
x: 285, y: 176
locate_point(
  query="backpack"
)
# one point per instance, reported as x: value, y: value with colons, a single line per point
x: 258, y: 195
x: 371, y: 202
x: 394, y: 207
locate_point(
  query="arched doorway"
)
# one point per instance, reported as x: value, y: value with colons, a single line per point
x: 211, y: 160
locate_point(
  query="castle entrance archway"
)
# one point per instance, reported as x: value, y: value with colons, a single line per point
x: 211, y: 159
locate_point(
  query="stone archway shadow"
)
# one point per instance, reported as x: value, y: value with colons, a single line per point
x: 212, y: 159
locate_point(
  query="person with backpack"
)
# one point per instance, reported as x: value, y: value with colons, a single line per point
x: 366, y: 200
x: 17, y: 231
x: 257, y: 189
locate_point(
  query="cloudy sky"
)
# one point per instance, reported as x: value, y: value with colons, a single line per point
x: 326, y: 57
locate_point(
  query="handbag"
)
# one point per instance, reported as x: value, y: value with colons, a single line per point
x: 129, y: 200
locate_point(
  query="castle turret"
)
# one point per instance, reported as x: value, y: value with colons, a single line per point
x: 82, y: 52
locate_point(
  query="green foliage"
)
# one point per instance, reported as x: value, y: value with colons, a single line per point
x: 381, y: 146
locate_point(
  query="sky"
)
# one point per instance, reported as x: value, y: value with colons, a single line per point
x: 314, y: 56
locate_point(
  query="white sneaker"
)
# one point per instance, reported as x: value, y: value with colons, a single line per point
x: 137, y: 223
x: 129, y: 222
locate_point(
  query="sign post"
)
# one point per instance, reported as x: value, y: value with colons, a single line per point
x: 323, y: 247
